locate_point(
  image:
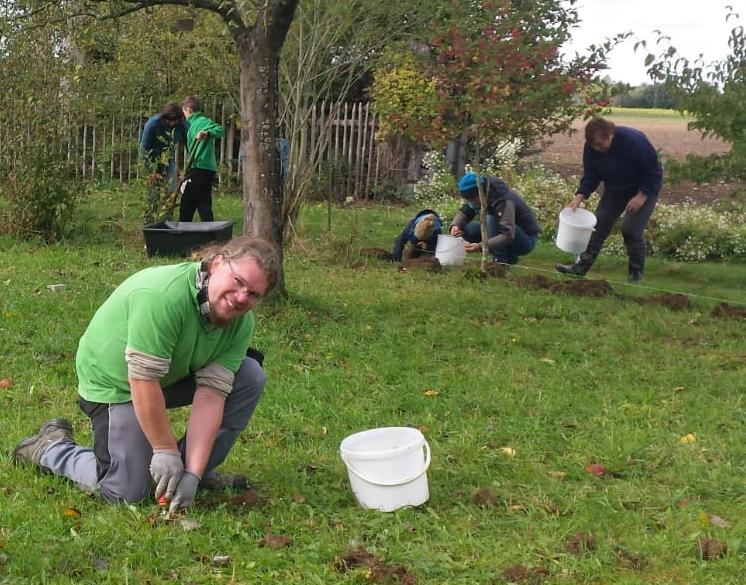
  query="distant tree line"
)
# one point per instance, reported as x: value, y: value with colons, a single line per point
x: 646, y: 95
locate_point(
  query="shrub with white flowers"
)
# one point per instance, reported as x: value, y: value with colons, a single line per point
x: 437, y: 189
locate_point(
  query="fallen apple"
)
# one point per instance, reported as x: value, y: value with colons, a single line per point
x: 6, y: 383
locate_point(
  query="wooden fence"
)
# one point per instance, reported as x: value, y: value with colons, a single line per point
x: 343, y: 147
x: 340, y: 145
x: 106, y: 146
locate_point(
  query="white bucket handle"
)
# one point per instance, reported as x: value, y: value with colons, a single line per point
x: 425, y: 446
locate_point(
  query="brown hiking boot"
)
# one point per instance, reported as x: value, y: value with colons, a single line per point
x: 32, y: 448
x: 219, y: 481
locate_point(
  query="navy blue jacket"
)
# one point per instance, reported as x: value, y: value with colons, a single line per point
x: 407, y: 235
x: 629, y: 166
x: 157, y: 137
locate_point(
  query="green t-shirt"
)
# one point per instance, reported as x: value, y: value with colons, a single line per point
x: 155, y: 311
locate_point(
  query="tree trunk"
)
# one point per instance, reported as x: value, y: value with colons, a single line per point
x: 259, y: 62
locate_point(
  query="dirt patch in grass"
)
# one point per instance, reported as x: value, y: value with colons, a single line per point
x: 580, y: 287
x: 426, y: 263
x: 536, y: 281
x: 581, y: 543
x: 709, y: 549
x: 380, y: 570
x: 728, y: 311
x: 484, y: 498
x: 672, y: 301
x: 522, y: 574
x: 493, y: 270
x: 275, y: 541
x: 563, y: 154
x: 234, y: 502
x: 630, y: 559
x: 583, y: 288
x: 378, y: 253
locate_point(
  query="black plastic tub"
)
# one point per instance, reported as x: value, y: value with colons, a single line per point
x: 179, y: 238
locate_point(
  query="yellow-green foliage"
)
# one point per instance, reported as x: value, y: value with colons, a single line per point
x: 404, y: 100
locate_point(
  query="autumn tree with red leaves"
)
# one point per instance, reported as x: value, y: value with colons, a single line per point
x: 496, y: 70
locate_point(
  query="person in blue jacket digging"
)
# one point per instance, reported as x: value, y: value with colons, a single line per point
x: 512, y: 229
x: 627, y: 163
x: 419, y: 237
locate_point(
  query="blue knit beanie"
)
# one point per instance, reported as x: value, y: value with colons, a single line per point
x: 468, y: 185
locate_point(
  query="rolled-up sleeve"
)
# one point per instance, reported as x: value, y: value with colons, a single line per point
x: 143, y: 366
x: 216, y: 377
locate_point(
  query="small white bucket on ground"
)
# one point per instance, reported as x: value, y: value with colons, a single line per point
x: 450, y: 251
x: 387, y: 467
x: 575, y: 229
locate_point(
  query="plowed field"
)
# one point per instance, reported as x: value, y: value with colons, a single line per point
x: 669, y: 134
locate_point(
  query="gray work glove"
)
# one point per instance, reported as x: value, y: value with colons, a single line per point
x: 166, y: 468
x: 185, y: 491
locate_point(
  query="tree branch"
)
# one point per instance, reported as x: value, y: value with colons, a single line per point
x: 228, y: 11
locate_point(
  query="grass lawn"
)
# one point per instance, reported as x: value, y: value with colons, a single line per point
x: 516, y: 389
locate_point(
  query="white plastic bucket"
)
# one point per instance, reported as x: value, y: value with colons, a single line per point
x: 450, y: 251
x: 575, y: 229
x: 387, y: 467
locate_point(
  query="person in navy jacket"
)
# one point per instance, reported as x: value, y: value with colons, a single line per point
x: 627, y: 163
x: 158, y: 142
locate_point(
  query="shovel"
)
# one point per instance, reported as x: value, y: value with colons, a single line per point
x: 172, y: 199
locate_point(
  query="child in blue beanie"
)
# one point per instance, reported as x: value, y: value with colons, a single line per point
x: 512, y: 228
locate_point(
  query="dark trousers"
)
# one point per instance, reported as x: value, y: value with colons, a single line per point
x: 197, y: 195
x: 521, y: 245
x: 609, y: 210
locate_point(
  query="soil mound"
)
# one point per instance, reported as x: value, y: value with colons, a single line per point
x: 378, y: 253
x: 379, y: 570
x: 427, y: 263
x: 727, y: 311
x: 672, y: 301
x: 581, y: 287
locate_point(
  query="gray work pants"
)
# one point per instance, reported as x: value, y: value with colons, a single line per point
x: 609, y: 209
x: 118, y: 465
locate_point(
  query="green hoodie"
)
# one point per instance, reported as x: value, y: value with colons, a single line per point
x: 204, y: 158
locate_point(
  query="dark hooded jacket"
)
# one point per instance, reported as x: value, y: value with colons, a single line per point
x: 507, y: 206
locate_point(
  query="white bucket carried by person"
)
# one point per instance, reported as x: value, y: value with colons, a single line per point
x: 387, y: 467
x: 575, y: 229
x: 450, y: 251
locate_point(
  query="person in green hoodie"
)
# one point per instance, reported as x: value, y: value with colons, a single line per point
x: 196, y: 193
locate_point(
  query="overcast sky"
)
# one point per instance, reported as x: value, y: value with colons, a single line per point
x: 695, y: 26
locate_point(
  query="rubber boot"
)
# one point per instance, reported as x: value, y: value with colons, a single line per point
x: 578, y: 268
x: 635, y: 270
